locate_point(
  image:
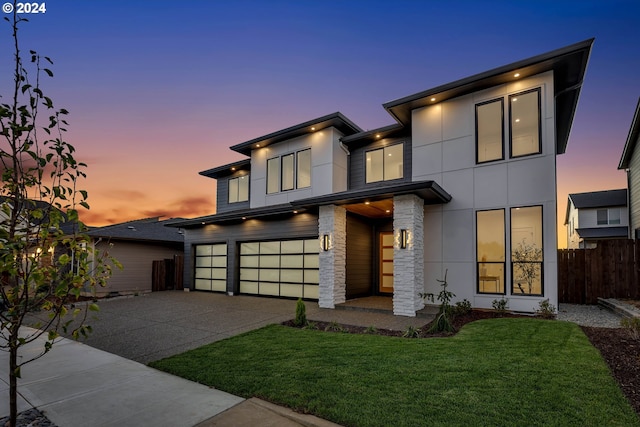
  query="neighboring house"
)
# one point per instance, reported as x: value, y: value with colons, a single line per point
x: 136, y: 244
x: 630, y: 161
x: 595, y: 216
x: 464, y: 184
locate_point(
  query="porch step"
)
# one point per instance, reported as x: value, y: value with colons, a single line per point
x: 380, y: 305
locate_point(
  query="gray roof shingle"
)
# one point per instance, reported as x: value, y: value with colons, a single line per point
x: 599, y: 199
x: 148, y: 229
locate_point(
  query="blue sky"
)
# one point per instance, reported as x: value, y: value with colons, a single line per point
x: 159, y: 90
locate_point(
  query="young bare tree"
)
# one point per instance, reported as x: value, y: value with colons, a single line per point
x: 46, y: 263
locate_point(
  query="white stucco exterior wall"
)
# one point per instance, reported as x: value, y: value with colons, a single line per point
x: 443, y: 145
x: 328, y: 168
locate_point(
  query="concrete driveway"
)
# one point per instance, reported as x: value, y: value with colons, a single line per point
x: 161, y: 324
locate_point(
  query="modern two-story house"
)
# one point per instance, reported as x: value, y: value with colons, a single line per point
x: 464, y: 182
x: 594, y: 216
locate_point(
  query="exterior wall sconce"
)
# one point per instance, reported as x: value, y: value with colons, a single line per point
x: 325, y: 242
x: 404, y: 237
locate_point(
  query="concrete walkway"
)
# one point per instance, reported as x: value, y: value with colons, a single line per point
x: 77, y: 385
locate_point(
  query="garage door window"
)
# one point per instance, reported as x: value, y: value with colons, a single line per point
x: 286, y: 268
x: 211, y: 267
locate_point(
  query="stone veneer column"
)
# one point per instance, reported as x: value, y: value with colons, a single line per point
x: 332, y: 220
x: 408, y: 264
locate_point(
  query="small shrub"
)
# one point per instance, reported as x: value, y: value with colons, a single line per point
x: 311, y: 325
x: 546, y: 310
x: 632, y: 326
x: 443, y: 320
x: 500, y: 305
x: 334, y: 327
x: 301, y: 314
x: 371, y: 330
x: 462, y: 307
x: 412, y: 332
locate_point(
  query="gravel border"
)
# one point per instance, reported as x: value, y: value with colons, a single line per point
x: 588, y: 315
x: 29, y: 418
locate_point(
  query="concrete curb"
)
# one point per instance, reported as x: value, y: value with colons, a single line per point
x: 621, y: 308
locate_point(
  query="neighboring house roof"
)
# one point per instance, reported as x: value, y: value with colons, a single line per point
x: 602, y: 232
x: 599, y: 199
x: 632, y: 139
x: 148, y: 229
x: 336, y: 120
x: 596, y: 199
x: 568, y: 64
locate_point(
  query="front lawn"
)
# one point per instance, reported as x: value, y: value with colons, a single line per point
x: 497, y: 372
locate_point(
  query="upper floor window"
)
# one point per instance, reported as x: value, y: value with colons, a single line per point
x: 524, y: 127
x: 608, y: 216
x: 524, y: 117
x: 239, y: 189
x: 289, y: 171
x: 490, y: 131
x: 384, y: 164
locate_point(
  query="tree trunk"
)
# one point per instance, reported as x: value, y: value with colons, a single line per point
x: 13, y: 380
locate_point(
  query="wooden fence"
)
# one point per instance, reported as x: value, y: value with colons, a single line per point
x: 167, y: 274
x: 611, y: 270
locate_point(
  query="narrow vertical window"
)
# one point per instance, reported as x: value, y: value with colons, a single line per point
x: 490, y: 131
x: 490, y: 248
x: 602, y: 216
x: 393, y: 162
x: 243, y: 188
x: 287, y: 172
x: 375, y: 166
x: 526, y: 251
x: 524, y: 117
x: 273, y: 175
x: 233, y: 190
x: 303, y: 168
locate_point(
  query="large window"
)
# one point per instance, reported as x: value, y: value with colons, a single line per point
x: 490, y: 241
x: 287, y: 268
x: 526, y: 251
x: 385, y: 164
x: 490, y: 131
x: 524, y: 117
x: 608, y: 216
x: 524, y: 127
x: 239, y: 189
x: 289, y: 171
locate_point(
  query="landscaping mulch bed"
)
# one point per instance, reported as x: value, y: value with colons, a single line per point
x: 621, y: 351
x: 618, y: 347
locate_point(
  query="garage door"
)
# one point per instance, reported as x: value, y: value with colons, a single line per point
x: 285, y: 268
x: 211, y: 267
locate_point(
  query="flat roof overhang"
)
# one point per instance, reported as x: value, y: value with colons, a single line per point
x: 226, y: 170
x: 568, y: 65
x: 429, y: 191
x: 336, y: 120
x: 602, y: 232
x: 282, y: 210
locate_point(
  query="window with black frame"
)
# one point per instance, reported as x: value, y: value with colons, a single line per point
x: 490, y: 249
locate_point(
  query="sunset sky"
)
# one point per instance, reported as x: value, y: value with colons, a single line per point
x: 158, y: 90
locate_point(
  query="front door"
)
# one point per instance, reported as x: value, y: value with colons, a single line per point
x: 386, y: 262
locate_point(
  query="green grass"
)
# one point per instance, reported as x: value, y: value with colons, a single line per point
x: 498, y: 372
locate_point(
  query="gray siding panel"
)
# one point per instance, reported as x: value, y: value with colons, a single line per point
x: 304, y: 225
x: 357, y: 161
x: 360, y: 247
x: 634, y: 191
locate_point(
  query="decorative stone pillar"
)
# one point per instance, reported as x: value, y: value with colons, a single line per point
x: 408, y: 262
x: 332, y: 221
